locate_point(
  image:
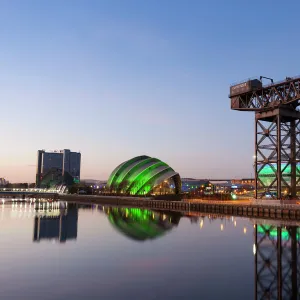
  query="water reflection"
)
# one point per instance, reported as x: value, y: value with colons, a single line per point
x: 59, y: 225
x: 141, y: 224
x: 277, y: 271
x: 53, y: 220
x: 276, y: 248
x: 261, y: 256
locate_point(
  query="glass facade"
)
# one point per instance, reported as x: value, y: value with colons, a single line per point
x: 64, y: 160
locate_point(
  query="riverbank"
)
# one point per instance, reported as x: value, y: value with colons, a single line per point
x: 273, y: 210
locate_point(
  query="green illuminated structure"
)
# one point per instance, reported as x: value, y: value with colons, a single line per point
x: 272, y: 231
x: 141, y: 224
x: 144, y: 175
x: 54, y: 177
x: 268, y: 173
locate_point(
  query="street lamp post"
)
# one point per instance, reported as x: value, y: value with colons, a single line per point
x: 255, y: 175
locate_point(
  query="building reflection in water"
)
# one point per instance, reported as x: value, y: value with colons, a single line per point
x: 58, y: 224
x: 277, y: 259
x: 141, y: 224
x: 276, y: 248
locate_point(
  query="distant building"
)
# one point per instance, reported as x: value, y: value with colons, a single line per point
x: 57, y: 165
x: 3, y: 182
x: 216, y: 185
x: 191, y: 184
x: 96, y: 184
x: 250, y: 181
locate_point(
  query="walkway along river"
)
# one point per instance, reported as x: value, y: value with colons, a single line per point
x: 280, y: 211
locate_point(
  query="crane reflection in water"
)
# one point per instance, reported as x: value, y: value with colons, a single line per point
x: 277, y: 258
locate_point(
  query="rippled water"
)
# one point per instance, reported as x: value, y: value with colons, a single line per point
x: 93, y: 252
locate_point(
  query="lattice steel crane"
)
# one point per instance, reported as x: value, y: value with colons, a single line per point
x: 277, y: 128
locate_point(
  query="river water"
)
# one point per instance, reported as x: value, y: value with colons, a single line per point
x: 59, y: 251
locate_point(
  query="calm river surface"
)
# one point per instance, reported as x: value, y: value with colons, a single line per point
x: 96, y: 252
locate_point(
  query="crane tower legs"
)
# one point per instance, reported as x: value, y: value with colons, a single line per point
x: 277, y: 153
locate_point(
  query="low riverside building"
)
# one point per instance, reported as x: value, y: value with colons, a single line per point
x: 250, y: 181
x: 191, y: 184
x: 221, y: 186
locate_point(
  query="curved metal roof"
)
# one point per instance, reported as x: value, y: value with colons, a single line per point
x: 139, y: 175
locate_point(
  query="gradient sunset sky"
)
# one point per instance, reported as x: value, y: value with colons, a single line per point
x: 116, y: 79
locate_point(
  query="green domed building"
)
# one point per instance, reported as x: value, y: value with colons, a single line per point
x: 144, y: 175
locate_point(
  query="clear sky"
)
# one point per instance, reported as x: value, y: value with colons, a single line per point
x: 116, y: 79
